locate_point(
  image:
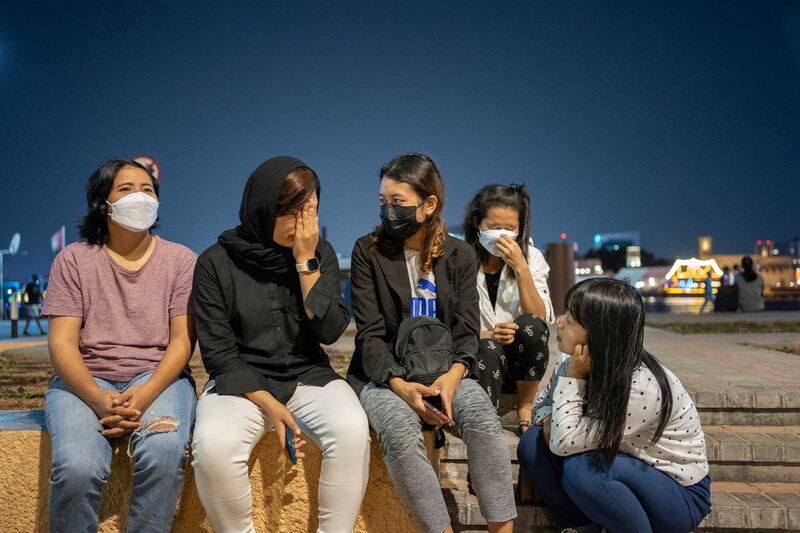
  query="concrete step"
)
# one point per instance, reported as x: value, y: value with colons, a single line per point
x: 735, y: 453
x: 754, y: 453
x: 736, y: 506
x: 733, y: 406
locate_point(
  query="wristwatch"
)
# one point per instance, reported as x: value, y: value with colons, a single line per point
x: 311, y: 265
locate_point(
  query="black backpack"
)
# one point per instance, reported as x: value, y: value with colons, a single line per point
x: 424, y: 347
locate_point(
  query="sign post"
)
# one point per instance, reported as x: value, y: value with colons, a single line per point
x: 150, y: 164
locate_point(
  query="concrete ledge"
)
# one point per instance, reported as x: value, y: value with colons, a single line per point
x: 284, y: 496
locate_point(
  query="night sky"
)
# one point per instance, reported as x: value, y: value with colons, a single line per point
x: 672, y: 118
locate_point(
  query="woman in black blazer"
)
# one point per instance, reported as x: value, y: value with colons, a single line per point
x: 411, y: 267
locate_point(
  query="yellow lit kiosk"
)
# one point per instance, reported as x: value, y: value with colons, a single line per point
x: 688, y: 276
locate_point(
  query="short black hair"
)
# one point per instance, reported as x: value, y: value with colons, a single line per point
x: 93, y: 228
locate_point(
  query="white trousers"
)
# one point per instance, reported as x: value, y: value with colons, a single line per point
x: 227, y: 429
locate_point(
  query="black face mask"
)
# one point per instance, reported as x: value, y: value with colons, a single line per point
x: 400, y: 221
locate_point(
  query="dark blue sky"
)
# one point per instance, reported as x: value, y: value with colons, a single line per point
x: 675, y: 119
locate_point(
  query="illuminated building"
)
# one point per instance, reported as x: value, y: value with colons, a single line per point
x: 688, y: 276
x: 775, y: 262
x: 704, y: 246
x: 649, y: 281
x: 612, y: 242
x: 588, y: 268
x: 763, y: 248
x: 633, y: 256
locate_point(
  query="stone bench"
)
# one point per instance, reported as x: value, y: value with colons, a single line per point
x: 284, y: 496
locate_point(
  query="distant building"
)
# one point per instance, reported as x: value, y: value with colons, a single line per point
x: 790, y: 248
x: 620, y: 240
x: 633, y: 256
x: 776, y: 262
x: 704, y: 246
x: 763, y: 248
x: 588, y: 268
x: 650, y: 281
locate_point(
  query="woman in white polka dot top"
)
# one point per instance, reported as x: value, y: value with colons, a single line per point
x: 617, y: 441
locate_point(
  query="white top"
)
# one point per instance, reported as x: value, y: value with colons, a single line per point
x: 423, y: 288
x: 750, y: 293
x: 508, y: 307
x: 679, y: 453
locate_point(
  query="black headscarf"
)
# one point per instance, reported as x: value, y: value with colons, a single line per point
x: 250, y: 243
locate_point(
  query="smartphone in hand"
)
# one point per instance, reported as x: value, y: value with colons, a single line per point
x: 436, y: 412
x: 290, y: 445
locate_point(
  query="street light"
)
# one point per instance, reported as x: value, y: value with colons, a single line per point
x: 13, y: 248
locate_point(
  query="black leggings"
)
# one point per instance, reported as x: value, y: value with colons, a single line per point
x: 525, y: 359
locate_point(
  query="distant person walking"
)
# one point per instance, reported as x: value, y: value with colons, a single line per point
x: 33, y: 305
x: 708, y: 297
x: 751, y: 287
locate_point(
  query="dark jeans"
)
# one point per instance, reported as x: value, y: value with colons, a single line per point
x: 628, y: 496
x: 525, y: 359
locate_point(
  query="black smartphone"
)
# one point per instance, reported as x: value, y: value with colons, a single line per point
x: 290, y: 445
x: 438, y: 413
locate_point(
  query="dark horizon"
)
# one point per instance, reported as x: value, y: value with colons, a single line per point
x: 675, y: 120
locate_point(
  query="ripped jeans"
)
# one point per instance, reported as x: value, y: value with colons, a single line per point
x: 82, y: 456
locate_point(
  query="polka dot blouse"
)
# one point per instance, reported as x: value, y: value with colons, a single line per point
x: 680, y: 452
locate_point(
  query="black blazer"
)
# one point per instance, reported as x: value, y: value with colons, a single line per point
x: 381, y: 299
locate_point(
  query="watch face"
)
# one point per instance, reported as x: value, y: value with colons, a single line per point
x: 313, y: 264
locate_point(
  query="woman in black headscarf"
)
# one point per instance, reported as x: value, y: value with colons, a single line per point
x: 265, y: 296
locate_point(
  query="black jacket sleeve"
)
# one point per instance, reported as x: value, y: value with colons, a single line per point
x: 377, y: 357
x: 325, y: 300
x: 465, y: 327
x: 221, y: 357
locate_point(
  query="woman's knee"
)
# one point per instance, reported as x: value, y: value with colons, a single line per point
x: 582, y: 473
x: 530, y: 446
x: 473, y: 409
x: 398, y: 435
x: 214, y: 449
x: 532, y: 324
x: 349, y: 434
x: 80, y: 470
x: 159, y: 445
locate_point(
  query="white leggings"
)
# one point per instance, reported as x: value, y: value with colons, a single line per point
x: 229, y: 427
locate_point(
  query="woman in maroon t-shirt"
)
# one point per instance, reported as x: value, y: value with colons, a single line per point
x: 120, y: 338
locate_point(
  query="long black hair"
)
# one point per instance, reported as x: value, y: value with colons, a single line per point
x: 496, y: 195
x: 612, y: 313
x: 748, y: 271
x: 93, y: 228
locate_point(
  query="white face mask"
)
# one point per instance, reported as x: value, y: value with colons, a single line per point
x: 136, y: 212
x: 489, y: 238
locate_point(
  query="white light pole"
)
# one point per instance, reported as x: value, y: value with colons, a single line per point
x: 13, y: 248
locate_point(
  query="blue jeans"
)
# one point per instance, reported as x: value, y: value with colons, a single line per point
x: 82, y: 457
x: 629, y: 496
